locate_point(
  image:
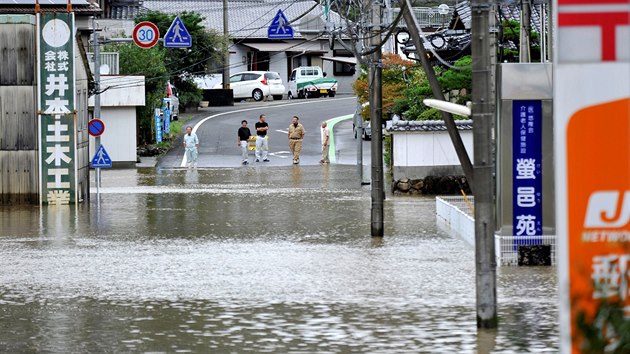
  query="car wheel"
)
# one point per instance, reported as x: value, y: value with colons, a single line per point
x: 290, y: 95
x: 300, y: 94
x: 257, y: 95
x: 277, y: 97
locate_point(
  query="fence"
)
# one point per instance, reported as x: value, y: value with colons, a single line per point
x: 458, y: 215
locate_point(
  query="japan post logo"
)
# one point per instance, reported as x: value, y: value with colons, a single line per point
x: 608, y: 209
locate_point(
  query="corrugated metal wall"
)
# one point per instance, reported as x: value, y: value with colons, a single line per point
x: 18, y: 111
x: 19, y: 169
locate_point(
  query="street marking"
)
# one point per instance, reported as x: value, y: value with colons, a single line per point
x: 282, y: 131
x: 183, y: 164
x: 332, y: 156
x: 279, y: 154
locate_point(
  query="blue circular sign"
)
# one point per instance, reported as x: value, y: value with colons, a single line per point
x: 96, y: 127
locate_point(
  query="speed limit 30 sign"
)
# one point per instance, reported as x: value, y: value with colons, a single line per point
x: 146, y: 34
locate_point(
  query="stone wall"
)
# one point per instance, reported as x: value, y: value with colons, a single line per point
x: 431, y: 185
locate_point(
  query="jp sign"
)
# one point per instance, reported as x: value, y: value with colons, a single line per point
x: 57, y: 108
x: 592, y: 144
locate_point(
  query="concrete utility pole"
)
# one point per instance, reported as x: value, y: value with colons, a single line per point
x: 226, y: 53
x: 97, y: 89
x: 375, y: 87
x: 483, y: 115
x: 524, y: 39
x: 436, y: 89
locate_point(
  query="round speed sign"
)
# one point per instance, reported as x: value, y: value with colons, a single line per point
x: 146, y: 34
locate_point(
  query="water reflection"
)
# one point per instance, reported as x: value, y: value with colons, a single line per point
x: 258, y: 259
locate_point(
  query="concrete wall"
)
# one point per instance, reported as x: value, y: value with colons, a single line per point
x: 118, y: 112
x: 120, y: 134
x: 420, y: 154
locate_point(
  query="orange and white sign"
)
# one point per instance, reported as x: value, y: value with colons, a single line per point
x: 592, y: 151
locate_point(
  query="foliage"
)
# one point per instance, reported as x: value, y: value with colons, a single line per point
x: 511, y: 37
x: 459, y: 79
x: 393, y: 84
x: 177, y: 65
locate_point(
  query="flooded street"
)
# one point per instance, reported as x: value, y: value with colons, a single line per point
x: 255, y: 259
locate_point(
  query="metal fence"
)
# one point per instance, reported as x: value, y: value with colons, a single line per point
x: 457, y: 213
x: 506, y: 247
x: 110, y: 59
x: 428, y: 17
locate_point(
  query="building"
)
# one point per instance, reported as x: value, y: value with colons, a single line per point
x: 44, y: 155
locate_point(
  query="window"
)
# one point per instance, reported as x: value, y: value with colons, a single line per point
x: 292, y: 78
x: 235, y: 78
x: 272, y: 76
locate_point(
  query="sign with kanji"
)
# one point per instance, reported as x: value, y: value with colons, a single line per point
x: 56, y: 106
x: 592, y: 154
x: 527, y: 168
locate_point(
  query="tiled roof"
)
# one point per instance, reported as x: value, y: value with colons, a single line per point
x: 427, y: 125
x: 247, y: 18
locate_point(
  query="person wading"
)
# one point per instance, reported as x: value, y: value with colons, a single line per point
x: 325, y: 143
x: 191, y: 144
x: 296, y: 136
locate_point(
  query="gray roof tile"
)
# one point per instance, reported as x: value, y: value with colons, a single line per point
x: 427, y: 125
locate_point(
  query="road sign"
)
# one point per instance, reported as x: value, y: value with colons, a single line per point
x: 146, y: 34
x: 96, y: 127
x: 177, y: 35
x: 592, y: 169
x: 279, y: 27
x: 101, y: 159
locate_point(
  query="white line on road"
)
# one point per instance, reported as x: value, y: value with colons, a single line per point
x: 183, y: 164
x: 282, y: 131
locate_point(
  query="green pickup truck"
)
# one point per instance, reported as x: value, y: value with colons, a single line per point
x: 310, y: 81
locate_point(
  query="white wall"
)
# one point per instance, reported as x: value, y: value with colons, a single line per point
x: 119, y: 137
x: 428, y: 148
x: 121, y: 91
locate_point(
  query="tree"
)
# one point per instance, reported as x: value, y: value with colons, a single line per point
x: 182, y: 64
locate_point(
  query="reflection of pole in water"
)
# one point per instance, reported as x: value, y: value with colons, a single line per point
x: 486, y: 340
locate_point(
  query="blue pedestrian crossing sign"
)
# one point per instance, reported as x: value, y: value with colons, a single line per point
x: 101, y: 159
x: 279, y: 27
x: 177, y: 35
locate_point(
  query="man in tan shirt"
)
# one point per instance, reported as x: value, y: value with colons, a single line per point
x: 296, y: 135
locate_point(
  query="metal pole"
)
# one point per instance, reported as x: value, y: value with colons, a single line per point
x: 226, y: 53
x: 482, y: 115
x: 358, y: 126
x: 436, y: 89
x: 97, y: 88
x: 376, y: 101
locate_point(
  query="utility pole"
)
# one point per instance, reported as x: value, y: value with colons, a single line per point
x: 436, y: 89
x: 97, y: 89
x: 376, y: 101
x: 226, y: 53
x: 524, y: 39
x: 484, y: 187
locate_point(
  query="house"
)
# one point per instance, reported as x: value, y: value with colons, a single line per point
x: 248, y: 21
x: 44, y: 142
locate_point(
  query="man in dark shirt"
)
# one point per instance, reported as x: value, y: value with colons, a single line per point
x: 243, y: 136
x: 261, y: 138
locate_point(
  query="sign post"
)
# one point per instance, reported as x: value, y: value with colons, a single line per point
x: 592, y: 144
x: 177, y: 35
x: 279, y: 27
x: 100, y: 160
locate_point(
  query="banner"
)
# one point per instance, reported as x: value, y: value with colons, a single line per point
x: 56, y: 105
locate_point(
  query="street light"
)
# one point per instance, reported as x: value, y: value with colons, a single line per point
x: 449, y: 107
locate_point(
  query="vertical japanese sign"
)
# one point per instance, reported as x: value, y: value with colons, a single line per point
x: 527, y: 168
x: 56, y: 105
x: 592, y: 144
x: 158, y: 126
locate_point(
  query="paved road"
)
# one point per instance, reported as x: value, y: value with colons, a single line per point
x: 217, y: 131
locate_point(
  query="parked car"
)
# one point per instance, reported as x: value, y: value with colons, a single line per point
x: 171, y: 101
x: 256, y: 84
x: 310, y: 81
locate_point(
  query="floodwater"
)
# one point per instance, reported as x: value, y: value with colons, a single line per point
x: 257, y: 259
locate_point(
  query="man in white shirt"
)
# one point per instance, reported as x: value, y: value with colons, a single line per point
x: 191, y: 143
